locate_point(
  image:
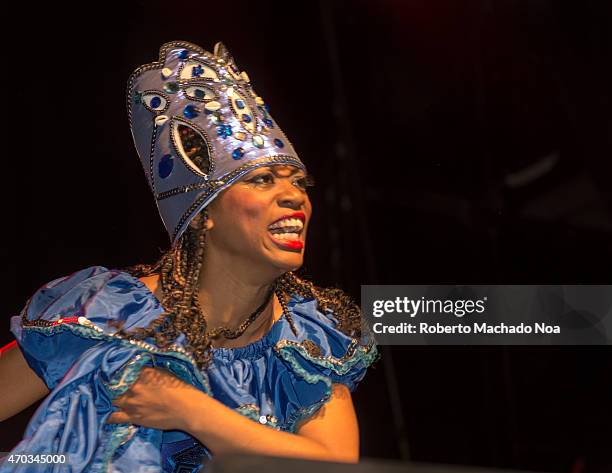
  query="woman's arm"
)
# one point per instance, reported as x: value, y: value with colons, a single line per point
x: 20, y: 387
x: 159, y: 400
x: 332, y: 434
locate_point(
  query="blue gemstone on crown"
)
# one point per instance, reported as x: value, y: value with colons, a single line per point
x: 239, y: 104
x: 269, y: 123
x: 197, y: 71
x: 224, y: 131
x: 246, y: 118
x: 155, y: 102
x: 238, y: 153
x: 279, y: 143
x: 199, y: 93
x: 165, y: 166
x: 191, y: 111
x: 184, y: 54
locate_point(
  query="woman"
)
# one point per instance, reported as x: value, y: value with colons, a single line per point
x: 218, y: 347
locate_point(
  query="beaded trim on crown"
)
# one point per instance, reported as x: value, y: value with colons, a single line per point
x: 198, y: 127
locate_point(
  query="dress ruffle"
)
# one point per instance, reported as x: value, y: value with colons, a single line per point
x: 282, y: 378
x: 96, y: 293
x: 278, y: 380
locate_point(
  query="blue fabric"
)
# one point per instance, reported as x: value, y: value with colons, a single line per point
x: 278, y: 380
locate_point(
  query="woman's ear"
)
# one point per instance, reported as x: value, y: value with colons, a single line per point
x: 196, y: 221
x: 209, y: 223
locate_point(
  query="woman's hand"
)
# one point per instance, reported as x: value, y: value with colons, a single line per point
x: 157, y: 400
x: 161, y: 401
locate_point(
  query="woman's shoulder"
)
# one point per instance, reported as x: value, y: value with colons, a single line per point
x: 152, y: 283
x: 328, y: 334
x: 70, y: 314
x: 96, y: 293
x: 62, y: 292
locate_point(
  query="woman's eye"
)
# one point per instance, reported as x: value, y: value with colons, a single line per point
x: 304, y: 182
x: 268, y: 178
x: 262, y: 179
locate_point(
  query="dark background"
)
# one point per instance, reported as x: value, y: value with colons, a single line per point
x: 452, y: 142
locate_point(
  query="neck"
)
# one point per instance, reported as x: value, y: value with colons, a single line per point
x: 230, y: 292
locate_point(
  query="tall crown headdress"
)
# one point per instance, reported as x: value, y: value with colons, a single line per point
x: 198, y: 127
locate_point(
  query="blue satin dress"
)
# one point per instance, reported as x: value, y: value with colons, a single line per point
x: 67, y: 340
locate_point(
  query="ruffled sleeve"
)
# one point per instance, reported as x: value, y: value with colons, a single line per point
x: 321, y: 355
x: 72, y: 420
x: 50, y: 332
x: 66, y: 336
x: 325, y: 350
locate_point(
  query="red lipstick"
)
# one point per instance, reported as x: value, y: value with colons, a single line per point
x: 291, y: 245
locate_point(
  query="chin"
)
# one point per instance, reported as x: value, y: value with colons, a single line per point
x: 290, y: 264
x: 287, y: 262
x: 285, y: 259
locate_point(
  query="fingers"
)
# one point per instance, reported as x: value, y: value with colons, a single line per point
x: 156, y: 378
x: 120, y: 402
x: 119, y: 417
x: 122, y: 405
x: 148, y: 377
x: 147, y: 372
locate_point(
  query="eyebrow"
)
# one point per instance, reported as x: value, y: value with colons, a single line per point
x: 293, y: 169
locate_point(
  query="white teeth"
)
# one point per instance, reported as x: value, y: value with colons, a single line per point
x: 286, y: 236
x: 288, y: 222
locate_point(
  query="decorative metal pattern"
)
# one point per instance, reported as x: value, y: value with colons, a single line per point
x: 155, y: 92
x: 174, y: 124
x: 252, y: 411
x: 236, y: 123
x: 314, y: 351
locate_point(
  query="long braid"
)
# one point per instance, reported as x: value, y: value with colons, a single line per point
x: 335, y: 300
x: 179, y: 269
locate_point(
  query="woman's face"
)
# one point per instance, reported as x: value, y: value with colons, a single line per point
x: 263, y: 218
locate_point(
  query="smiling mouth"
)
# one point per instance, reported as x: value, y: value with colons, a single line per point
x: 286, y: 231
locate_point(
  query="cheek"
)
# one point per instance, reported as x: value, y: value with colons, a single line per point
x: 243, y: 216
x: 246, y: 209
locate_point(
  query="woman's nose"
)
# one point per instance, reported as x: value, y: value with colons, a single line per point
x: 289, y: 195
